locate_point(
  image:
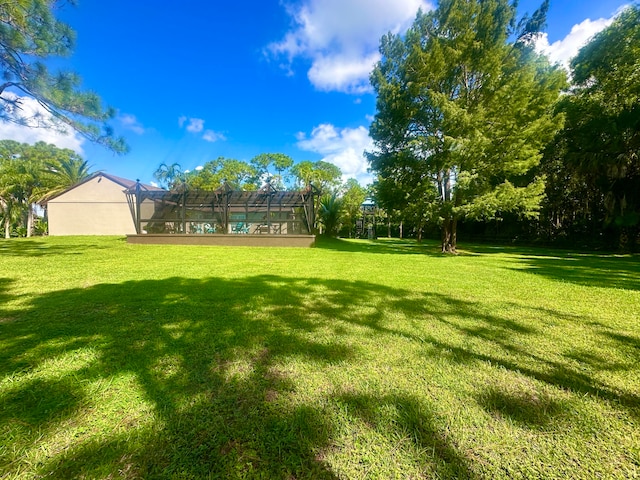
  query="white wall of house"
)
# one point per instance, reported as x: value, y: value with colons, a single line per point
x: 96, y: 207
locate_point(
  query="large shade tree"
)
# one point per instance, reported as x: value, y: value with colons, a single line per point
x: 30, y: 34
x: 464, y: 109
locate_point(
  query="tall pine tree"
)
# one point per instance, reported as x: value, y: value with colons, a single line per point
x: 464, y: 109
x: 29, y: 35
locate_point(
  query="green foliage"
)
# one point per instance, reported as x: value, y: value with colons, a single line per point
x: 30, y: 32
x: 263, y: 165
x: 238, y: 175
x: 65, y: 169
x: 30, y: 174
x: 598, y: 152
x: 169, y: 175
x: 353, y: 194
x: 324, y: 176
x: 463, y: 107
x: 329, y: 214
x: 507, y: 198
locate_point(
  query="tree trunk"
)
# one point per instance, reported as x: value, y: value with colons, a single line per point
x: 449, y: 235
x: 30, y: 220
x: 450, y: 222
x: 627, y: 239
x: 5, y: 217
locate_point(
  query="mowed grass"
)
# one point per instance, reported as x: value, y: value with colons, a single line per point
x: 353, y: 359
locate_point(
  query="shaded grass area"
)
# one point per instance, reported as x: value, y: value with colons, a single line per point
x: 351, y: 360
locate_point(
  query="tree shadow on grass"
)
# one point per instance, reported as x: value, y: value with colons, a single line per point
x: 210, y: 357
x: 205, y: 354
x: 405, y: 416
x: 5, y: 285
x: 40, y: 247
x: 605, y: 271
x: 393, y: 246
x: 588, y: 269
x: 524, y: 406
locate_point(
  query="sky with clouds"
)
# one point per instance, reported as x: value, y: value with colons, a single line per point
x: 197, y: 80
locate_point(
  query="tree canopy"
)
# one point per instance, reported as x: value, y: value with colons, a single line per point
x: 323, y: 175
x: 600, y: 144
x: 30, y: 174
x: 464, y: 110
x: 29, y: 35
x: 237, y: 174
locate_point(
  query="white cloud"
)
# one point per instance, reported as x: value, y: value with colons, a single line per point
x: 562, y: 51
x: 130, y: 122
x: 211, y: 136
x: 39, y: 125
x: 337, y: 72
x: 341, y: 38
x: 195, y: 125
x: 343, y: 147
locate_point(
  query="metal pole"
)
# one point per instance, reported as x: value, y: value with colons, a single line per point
x: 184, y: 208
x: 138, y: 219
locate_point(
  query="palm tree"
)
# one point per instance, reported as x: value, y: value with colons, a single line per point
x: 168, y: 175
x: 330, y: 212
x: 11, y: 212
x: 11, y: 207
x: 66, y: 173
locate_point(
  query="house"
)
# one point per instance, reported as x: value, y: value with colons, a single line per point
x: 96, y: 206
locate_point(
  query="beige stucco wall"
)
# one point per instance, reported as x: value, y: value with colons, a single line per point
x: 97, y: 207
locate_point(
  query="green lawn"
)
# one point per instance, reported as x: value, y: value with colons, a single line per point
x: 354, y: 359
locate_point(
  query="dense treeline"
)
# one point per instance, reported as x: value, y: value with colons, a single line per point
x: 478, y: 136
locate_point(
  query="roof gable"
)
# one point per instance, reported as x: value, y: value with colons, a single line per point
x: 125, y: 183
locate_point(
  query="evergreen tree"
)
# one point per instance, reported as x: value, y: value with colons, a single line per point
x: 464, y: 110
x: 330, y: 213
x: 29, y: 34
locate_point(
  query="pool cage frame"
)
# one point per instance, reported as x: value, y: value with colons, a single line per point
x: 186, y: 211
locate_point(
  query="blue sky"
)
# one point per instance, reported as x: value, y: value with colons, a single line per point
x: 196, y: 79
